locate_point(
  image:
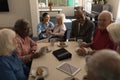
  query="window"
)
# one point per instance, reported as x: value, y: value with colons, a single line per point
x: 85, y: 3
x: 118, y: 13
x: 61, y: 2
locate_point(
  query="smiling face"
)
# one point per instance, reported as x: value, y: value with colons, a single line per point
x: 104, y: 19
x: 46, y: 18
x: 59, y: 21
x: 79, y: 15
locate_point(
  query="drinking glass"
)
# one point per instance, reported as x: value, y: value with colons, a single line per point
x: 52, y: 41
x: 79, y: 41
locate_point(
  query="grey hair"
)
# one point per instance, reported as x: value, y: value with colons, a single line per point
x: 60, y: 16
x: 114, y: 31
x: 105, y: 65
x: 110, y: 15
x: 6, y: 41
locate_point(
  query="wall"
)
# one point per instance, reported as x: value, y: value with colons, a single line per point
x: 34, y: 16
x: 18, y: 9
x: 28, y: 9
x: 68, y: 11
x: 114, y: 5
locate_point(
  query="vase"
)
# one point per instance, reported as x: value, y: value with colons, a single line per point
x: 50, y: 8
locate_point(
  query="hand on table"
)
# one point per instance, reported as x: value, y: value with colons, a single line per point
x: 81, y: 51
x: 35, y: 55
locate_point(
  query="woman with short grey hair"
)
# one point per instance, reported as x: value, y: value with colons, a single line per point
x: 11, y: 68
x: 60, y: 28
x: 114, y: 31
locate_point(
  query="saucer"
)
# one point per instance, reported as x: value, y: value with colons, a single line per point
x: 45, y: 72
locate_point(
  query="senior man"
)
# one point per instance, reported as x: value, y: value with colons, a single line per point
x: 101, y: 39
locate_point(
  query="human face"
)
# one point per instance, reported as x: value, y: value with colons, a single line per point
x: 80, y: 17
x: 46, y: 18
x: 103, y: 21
x: 59, y: 21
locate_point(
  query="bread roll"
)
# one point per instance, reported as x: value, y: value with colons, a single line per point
x: 39, y: 71
x: 62, y: 43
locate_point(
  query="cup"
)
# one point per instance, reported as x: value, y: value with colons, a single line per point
x: 52, y: 41
x: 79, y: 41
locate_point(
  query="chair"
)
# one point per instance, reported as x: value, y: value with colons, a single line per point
x: 65, y: 36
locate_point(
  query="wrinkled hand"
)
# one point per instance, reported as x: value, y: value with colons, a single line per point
x: 81, y: 52
x: 34, y: 48
x: 48, y: 31
x: 91, y: 52
x: 35, y: 55
x: 83, y: 44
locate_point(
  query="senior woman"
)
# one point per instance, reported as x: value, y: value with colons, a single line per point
x: 11, y: 68
x: 26, y: 47
x: 60, y: 28
x: 103, y: 65
x: 114, y: 32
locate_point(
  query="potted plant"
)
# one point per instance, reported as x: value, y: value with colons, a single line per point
x: 50, y: 4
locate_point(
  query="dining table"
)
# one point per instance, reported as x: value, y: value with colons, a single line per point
x: 48, y: 60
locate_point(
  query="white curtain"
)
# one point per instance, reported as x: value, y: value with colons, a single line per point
x: 118, y: 13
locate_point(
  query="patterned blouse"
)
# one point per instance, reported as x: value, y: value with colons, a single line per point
x: 25, y: 48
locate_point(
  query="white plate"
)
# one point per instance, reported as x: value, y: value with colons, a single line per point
x: 62, y: 45
x: 45, y: 71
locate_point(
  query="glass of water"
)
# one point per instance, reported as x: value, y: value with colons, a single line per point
x: 79, y: 41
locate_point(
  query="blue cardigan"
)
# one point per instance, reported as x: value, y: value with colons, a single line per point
x: 11, y: 68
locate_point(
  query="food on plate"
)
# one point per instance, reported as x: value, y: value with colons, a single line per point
x: 39, y: 71
x: 62, y: 43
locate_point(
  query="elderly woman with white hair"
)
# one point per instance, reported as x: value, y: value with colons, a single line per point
x: 114, y: 32
x: 11, y: 68
x: 103, y: 65
x: 60, y: 28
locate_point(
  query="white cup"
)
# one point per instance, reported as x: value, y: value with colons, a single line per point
x: 79, y: 41
x: 52, y: 41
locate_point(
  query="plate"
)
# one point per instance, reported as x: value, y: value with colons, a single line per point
x: 45, y: 71
x: 62, y: 45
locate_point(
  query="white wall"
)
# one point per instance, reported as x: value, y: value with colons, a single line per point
x: 27, y: 9
x: 34, y: 16
x: 114, y: 5
x: 18, y: 9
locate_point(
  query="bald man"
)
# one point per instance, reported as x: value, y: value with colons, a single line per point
x: 101, y: 39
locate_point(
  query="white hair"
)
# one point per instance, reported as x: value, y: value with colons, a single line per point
x: 60, y: 16
x: 110, y: 15
x: 104, y: 65
x: 6, y: 41
x: 114, y: 31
